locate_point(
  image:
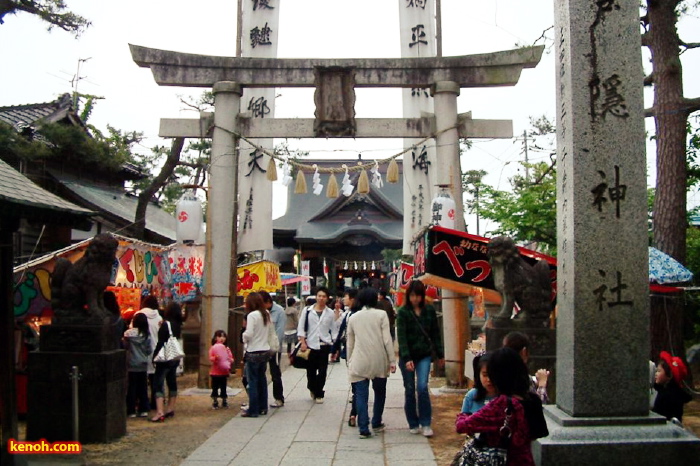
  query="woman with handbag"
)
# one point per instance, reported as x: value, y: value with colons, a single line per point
x: 504, y: 433
x: 419, y: 345
x: 256, y: 339
x: 166, y: 358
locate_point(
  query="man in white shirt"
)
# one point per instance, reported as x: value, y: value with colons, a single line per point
x: 314, y: 332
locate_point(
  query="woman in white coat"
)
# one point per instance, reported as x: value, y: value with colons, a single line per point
x: 370, y: 353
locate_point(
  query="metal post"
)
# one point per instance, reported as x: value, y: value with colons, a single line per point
x: 74, y: 378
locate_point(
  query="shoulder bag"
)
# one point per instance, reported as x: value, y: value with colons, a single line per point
x: 475, y: 452
x: 433, y: 351
x: 272, y: 339
x: 299, y: 358
x: 171, y: 350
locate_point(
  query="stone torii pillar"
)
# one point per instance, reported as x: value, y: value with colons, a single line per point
x: 455, y: 322
x: 220, y: 216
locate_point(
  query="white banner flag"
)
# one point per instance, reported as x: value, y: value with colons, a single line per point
x: 306, y: 284
x: 260, y: 30
x: 417, y: 28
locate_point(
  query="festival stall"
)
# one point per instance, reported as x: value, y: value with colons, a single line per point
x: 170, y: 273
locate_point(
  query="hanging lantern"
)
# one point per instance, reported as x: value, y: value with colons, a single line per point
x: 188, y: 213
x: 443, y: 208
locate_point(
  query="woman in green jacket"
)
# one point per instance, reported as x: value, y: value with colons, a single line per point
x: 420, y: 344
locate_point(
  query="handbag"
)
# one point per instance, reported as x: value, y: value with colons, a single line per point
x: 299, y: 358
x: 171, y: 350
x: 272, y: 339
x: 475, y: 452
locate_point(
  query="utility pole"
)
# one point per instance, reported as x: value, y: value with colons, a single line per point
x: 76, y: 79
x: 527, y: 160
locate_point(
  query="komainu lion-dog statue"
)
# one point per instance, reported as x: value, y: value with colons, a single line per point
x: 77, y: 289
x: 519, y: 282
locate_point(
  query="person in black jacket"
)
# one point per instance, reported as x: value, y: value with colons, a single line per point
x: 671, y: 397
x: 166, y: 371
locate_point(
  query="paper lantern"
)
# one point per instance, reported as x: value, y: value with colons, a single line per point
x: 188, y: 213
x: 443, y: 209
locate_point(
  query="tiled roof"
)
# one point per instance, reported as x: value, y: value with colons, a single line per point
x: 318, y: 219
x: 27, y: 115
x: 18, y: 194
x: 117, y: 202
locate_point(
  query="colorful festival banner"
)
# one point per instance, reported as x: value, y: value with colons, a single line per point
x: 174, y: 272
x: 186, y: 271
x: 258, y: 276
x: 459, y: 262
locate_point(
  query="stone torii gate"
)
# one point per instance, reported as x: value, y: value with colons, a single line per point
x: 335, y: 81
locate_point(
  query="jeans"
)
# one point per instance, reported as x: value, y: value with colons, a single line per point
x: 137, y: 393
x: 362, y: 400
x: 353, y: 406
x: 317, y: 370
x: 276, y: 375
x: 165, y: 372
x: 218, y: 386
x: 423, y: 414
x: 290, y: 341
x: 257, y: 384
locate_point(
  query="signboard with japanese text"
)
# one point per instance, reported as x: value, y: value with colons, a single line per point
x: 417, y: 36
x: 459, y: 261
x: 260, y: 32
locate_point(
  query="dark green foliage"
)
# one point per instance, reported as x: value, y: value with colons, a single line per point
x: 54, y: 12
x: 67, y: 143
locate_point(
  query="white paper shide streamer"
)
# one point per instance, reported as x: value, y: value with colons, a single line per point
x: 317, y: 186
x: 346, y: 187
x: 376, y: 176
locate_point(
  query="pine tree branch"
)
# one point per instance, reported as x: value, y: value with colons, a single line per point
x: 649, y: 80
x: 688, y: 45
x: 691, y: 105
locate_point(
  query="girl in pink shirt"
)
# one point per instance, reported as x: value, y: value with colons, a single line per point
x: 221, y: 360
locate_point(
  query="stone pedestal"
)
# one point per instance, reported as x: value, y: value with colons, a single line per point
x: 542, y: 349
x: 602, y: 412
x: 101, y: 388
x: 629, y: 440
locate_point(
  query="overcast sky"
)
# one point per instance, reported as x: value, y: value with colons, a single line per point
x: 37, y: 66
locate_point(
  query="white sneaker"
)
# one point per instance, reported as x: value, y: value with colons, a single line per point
x: 415, y: 430
x: 277, y: 404
x: 319, y: 401
x: 427, y: 432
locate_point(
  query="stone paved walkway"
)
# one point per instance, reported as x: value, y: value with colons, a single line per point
x: 309, y: 434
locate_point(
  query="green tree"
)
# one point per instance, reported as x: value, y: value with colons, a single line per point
x: 54, y: 12
x: 528, y: 213
x: 472, y: 184
x: 670, y: 111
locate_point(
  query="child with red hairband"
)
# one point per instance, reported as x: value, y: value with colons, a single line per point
x: 670, y: 397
